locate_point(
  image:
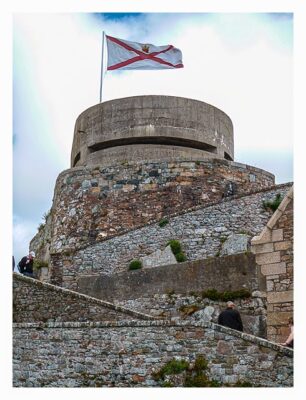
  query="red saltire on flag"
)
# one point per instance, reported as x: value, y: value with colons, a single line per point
x: 123, y: 54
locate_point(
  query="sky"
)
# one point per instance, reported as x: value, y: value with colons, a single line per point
x: 238, y: 62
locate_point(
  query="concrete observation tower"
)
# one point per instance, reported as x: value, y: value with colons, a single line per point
x: 135, y: 161
x: 147, y: 128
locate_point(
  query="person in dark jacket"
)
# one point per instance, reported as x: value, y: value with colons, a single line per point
x: 230, y: 317
x: 26, y: 264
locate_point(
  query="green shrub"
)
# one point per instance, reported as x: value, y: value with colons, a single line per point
x: 172, y: 367
x: 135, y: 264
x: 200, y: 380
x: 194, y: 376
x: 163, y: 222
x: 41, y: 226
x: 175, y: 246
x: 272, y: 205
x: 46, y: 215
x: 180, y: 257
x: 200, y: 364
x: 243, y: 384
x: 211, y: 294
x: 167, y: 384
x: 177, y: 250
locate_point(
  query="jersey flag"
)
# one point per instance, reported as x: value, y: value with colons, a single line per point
x: 123, y: 54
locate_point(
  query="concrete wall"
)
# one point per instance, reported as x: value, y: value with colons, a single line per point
x: 274, y: 254
x: 111, y: 132
x: 221, y: 273
x: 125, y: 353
x: 34, y: 301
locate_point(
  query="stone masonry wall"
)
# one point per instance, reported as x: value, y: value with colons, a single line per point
x: 274, y: 254
x: 36, y: 301
x: 201, y: 232
x: 126, y: 353
x: 193, y: 307
x: 155, y: 291
x: 91, y: 204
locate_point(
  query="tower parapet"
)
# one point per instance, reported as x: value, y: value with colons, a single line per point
x: 151, y: 128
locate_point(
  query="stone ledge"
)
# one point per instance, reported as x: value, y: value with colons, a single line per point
x: 81, y: 296
x: 286, y: 200
x: 263, y: 238
x: 268, y: 258
x: 235, y: 164
x: 175, y: 322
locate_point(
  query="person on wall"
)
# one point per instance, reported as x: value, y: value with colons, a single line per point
x: 25, y: 265
x: 289, y: 341
x: 231, y: 317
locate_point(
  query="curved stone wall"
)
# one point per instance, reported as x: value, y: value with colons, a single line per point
x: 201, y: 233
x: 151, y: 128
x: 91, y: 204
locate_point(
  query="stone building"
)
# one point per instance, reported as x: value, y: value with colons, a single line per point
x: 147, y: 171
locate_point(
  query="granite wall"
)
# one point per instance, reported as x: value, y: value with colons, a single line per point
x: 34, y: 301
x: 92, y: 204
x: 203, y: 232
x: 126, y: 353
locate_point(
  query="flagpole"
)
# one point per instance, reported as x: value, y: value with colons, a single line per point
x: 102, y: 66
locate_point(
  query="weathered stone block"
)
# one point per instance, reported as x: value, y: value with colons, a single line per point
x: 278, y: 318
x: 273, y: 269
x: 268, y: 258
x: 277, y: 235
x: 235, y: 243
x: 262, y: 248
x: 224, y: 347
x: 158, y: 258
x: 280, y: 297
x: 283, y: 245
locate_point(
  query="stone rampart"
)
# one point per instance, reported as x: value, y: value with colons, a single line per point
x: 34, y: 301
x: 201, y: 232
x: 126, y: 353
x: 91, y: 204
